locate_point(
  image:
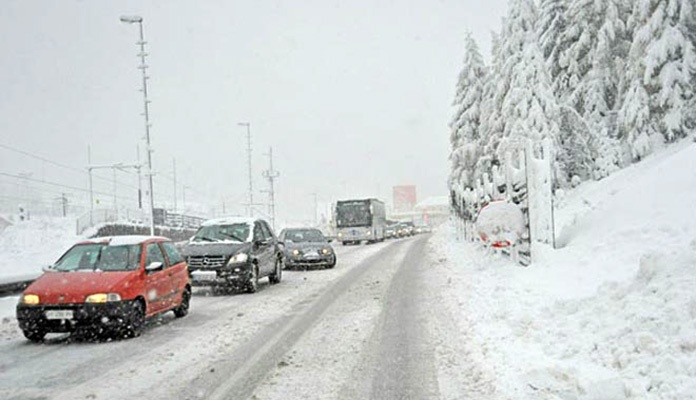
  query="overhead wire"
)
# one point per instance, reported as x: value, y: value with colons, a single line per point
x: 65, y: 166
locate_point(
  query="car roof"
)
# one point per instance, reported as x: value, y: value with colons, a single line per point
x: 124, y: 240
x: 229, y: 221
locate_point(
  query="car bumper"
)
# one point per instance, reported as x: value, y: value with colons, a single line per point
x: 83, y: 316
x: 295, y: 262
x: 220, y: 277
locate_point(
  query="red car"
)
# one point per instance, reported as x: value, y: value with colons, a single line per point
x: 109, y: 284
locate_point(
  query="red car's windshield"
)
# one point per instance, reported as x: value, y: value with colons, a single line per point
x: 100, y: 257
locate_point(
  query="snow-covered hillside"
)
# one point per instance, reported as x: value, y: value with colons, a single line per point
x: 28, y: 246
x: 611, y: 314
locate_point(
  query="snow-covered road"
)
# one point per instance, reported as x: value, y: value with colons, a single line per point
x: 370, y: 328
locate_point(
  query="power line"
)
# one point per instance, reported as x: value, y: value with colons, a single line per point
x: 56, y: 163
x: 59, y: 185
x: 41, y: 201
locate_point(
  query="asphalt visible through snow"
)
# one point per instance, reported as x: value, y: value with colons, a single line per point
x: 404, y: 363
x: 361, y: 330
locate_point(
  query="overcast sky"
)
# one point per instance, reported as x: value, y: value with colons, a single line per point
x: 354, y: 96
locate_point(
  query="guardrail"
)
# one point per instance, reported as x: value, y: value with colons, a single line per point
x: 10, y: 288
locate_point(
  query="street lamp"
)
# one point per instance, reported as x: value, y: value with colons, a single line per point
x: 135, y: 19
x: 251, y: 189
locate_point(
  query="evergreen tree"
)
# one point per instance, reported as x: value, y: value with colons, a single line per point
x: 552, y: 23
x: 517, y: 26
x: 465, y: 124
x: 495, y: 87
x: 661, y: 68
x: 529, y: 107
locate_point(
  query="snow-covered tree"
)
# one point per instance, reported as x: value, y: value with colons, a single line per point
x: 494, y: 90
x: 529, y: 106
x: 552, y: 23
x: 600, y: 87
x: 518, y: 24
x: 577, y: 148
x: 661, y: 67
x: 465, y: 124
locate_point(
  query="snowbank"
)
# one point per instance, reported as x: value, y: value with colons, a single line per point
x: 28, y: 246
x: 610, y: 315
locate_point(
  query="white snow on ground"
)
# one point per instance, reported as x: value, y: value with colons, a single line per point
x: 611, y: 314
x: 28, y: 246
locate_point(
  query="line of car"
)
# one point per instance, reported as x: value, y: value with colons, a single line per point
x: 111, y: 285
x: 404, y: 229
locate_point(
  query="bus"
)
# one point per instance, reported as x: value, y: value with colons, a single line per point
x: 360, y: 220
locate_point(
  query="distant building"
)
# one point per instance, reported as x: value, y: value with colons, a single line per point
x: 433, y: 210
x: 404, y: 198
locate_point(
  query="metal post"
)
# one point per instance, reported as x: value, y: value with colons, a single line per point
x: 271, y: 175
x: 140, y: 182
x: 316, y: 221
x: 143, y: 67
x: 251, y: 180
x: 183, y: 205
x: 115, y: 192
x: 91, y: 188
x: 174, y: 168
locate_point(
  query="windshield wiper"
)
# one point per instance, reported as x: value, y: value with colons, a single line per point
x: 205, y: 238
x: 232, y: 236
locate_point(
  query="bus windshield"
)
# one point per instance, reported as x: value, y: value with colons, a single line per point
x: 353, y: 214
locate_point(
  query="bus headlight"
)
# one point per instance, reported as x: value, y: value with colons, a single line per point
x: 369, y: 233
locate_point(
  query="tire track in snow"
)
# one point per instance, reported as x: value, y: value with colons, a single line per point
x: 238, y: 375
x: 398, y: 361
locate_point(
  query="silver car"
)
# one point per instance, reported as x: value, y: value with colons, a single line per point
x: 307, y: 248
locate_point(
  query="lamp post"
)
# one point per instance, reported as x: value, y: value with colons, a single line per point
x: 135, y: 19
x: 251, y: 188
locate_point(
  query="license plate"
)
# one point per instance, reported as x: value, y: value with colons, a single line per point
x: 311, y: 254
x: 59, y: 314
x: 204, y: 276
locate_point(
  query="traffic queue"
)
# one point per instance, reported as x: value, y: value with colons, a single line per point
x: 110, y: 286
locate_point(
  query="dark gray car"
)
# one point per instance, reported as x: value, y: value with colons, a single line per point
x: 234, y: 253
x: 306, y: 248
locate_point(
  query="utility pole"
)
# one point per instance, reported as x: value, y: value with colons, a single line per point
x: 143, y: 67
x: 316, y: 220
x: 140, y: 183
x: 64, y: 204
x: 174, y: 168
x: 271, y: 175
x: 115, y: 192
x: 113, y: 167
x: 251, y: 180
x: 91, y: 188
x: 183, y: 193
